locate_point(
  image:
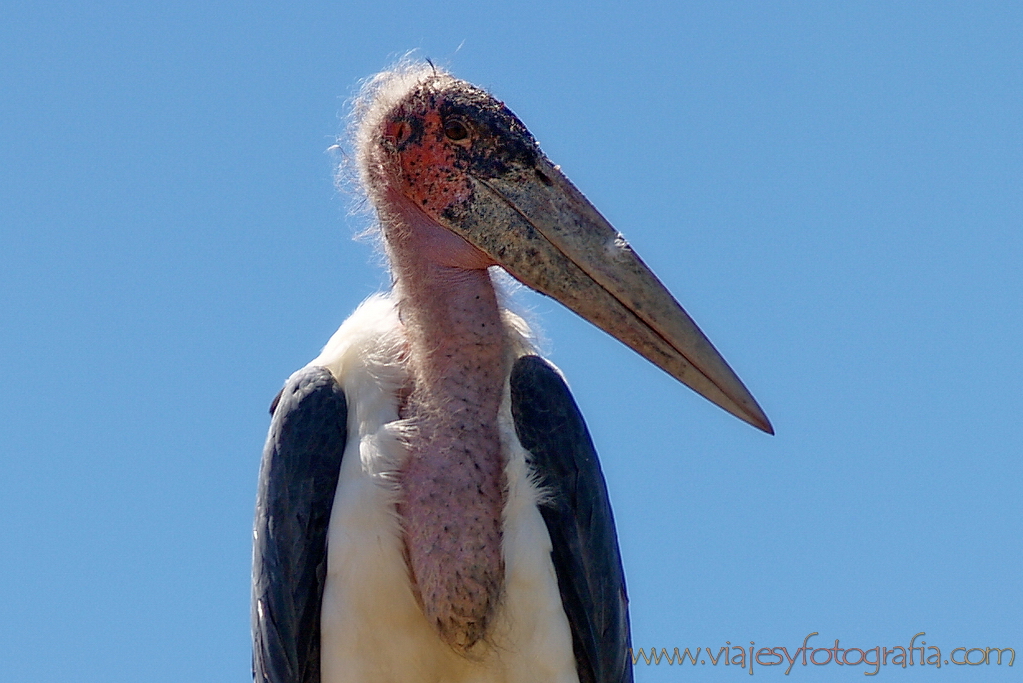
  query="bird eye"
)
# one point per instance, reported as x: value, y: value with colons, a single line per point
x: 455, y: 130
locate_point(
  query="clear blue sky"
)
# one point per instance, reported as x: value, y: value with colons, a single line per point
x: 833, y: 190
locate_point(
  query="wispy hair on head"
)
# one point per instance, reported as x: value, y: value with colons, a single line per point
x: 376, y: 97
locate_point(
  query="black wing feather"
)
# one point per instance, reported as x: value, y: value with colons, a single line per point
x: 579, y: 519
x: 297, y: 480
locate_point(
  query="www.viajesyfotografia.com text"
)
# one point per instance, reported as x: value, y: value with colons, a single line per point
x: 918, y: 653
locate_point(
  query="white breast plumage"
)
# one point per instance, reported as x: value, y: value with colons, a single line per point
x: 372, y: 628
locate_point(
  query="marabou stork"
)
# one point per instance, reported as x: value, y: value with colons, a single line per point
x: 430, y: 507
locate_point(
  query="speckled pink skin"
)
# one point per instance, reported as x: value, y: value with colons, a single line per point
x: 453, y: 487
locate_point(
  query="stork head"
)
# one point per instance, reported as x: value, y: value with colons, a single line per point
x: 438, y: 154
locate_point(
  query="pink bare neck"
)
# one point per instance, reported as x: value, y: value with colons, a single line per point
x: 453, y: 482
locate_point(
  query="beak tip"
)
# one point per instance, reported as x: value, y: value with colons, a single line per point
x: 759, y: 420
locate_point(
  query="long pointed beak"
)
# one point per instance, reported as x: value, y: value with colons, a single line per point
x: 543, y: 231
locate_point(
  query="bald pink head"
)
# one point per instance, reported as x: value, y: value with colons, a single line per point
x: 425, y: 141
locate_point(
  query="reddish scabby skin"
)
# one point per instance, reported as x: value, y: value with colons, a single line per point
x: 453, y: 488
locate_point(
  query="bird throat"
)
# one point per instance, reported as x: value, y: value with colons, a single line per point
x: 452, y: 486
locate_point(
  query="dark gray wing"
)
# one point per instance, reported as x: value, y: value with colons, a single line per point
x: 578, y: 517
x: 297, y: 479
